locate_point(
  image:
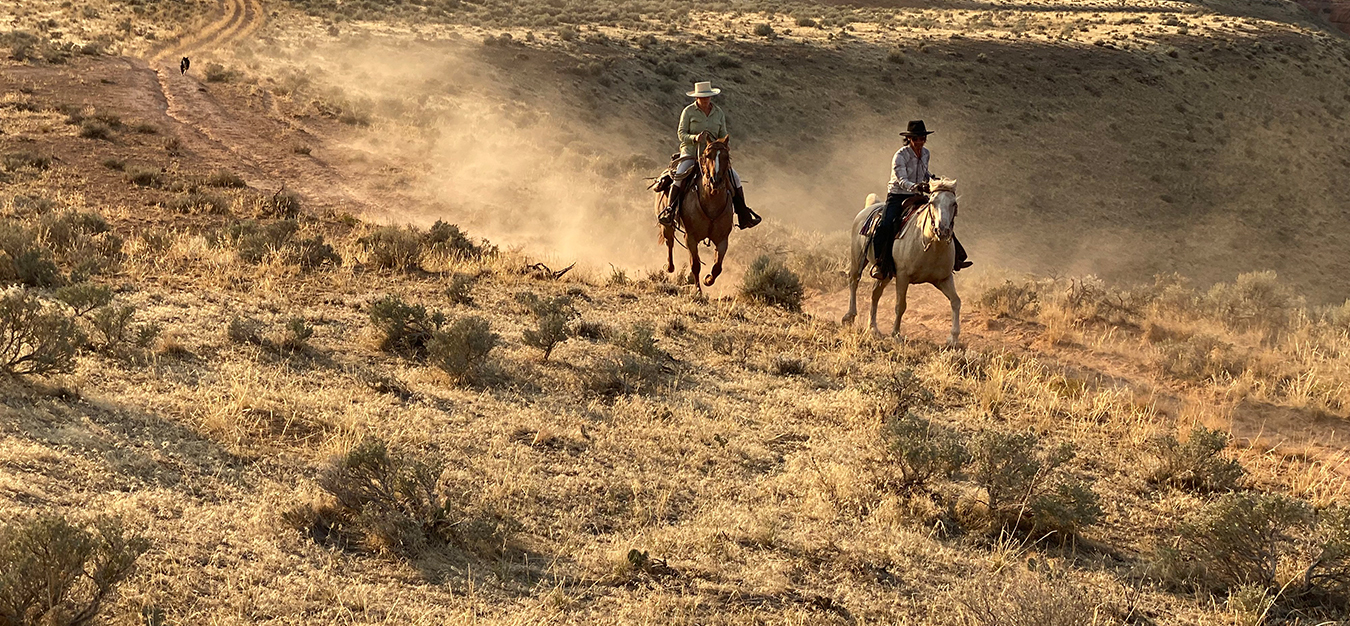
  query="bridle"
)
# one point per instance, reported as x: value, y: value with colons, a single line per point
x: 716, y: 166
x: 930, y: 219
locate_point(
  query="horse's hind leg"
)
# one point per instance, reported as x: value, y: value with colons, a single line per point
x: 854, y: 276
x: 717, y: 265
x: 948, y: 288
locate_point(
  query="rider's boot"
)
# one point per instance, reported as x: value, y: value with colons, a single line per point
x: 745, y: 218
x: 961, y: 258
x: 667, y: 216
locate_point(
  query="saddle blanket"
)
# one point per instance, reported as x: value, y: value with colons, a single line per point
x: 870, y: 224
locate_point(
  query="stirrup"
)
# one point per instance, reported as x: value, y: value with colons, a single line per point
x: 667, y: 217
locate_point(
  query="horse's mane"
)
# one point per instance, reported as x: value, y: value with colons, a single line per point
x: 942, y: 184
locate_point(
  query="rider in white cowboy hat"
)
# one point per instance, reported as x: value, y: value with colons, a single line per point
x: 908, y: 189
x: 700, y: 122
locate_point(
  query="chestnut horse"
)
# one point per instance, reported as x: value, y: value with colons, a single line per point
x: 705, y: 212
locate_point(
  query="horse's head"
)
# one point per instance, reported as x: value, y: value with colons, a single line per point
x: 716, y: 161
x: 942, y: 194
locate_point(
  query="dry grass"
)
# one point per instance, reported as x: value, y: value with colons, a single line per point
x: 672, y: 459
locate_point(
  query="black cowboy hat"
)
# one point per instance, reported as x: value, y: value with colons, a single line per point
x: 917, y: 129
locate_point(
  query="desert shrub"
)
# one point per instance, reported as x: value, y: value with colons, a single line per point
x: 55, y: 573
x: 387, y: 502
x: 35, y: 339
x: 460, y: 347
x: 784, y: 365
x: 245, y: 329
x: 312, y: 253
x: 1029, y: 598
x: 1199, y: 358
x: 84, y: 297
x: 1255, y: 301
x: 640, y: 340
x: 23, y: 261
x: 297, y: 334
x: 763, y: 30
x: 460, y: 290
x: 552, y: 316
x: 112, y: 324
x: 18, y: 160
x: 447, y: 238
x: 1010, y: 299
x: 1241, y: 539
x: 772, y: 283
x: 567, y: 32
x: 922, y: 450
x: 145, y: 177
x: 404, y: 328
x: 394, y: 248
x: 114, y: 163
x: 253, y: 241
x: 146, y: 128
x: 198, y: 202
x: 623, y: 375
x: 1024, y: 485
x: 284, y: 204
x: 94, y: 129
x: 806, y: 22
x: 1088, y: 300
x: 226, y: 179
x: 1197, y: 464
x: 217, y: 73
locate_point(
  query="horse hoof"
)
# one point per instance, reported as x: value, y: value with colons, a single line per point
x: 709, y: 280
x: 953, y: 342
x: 670, y: 269
x: 848, y: 319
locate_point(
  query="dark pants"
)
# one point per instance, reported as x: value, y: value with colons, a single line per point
x: 891, y: 222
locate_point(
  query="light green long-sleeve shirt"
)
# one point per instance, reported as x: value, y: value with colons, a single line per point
x: 693, y: 122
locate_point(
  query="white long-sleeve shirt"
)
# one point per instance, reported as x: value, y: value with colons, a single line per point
x: 908, y: 170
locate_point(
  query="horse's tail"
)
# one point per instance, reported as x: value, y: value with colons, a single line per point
x: 871, y: 200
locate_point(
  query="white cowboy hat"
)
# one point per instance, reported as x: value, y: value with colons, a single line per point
x: 703, y: 90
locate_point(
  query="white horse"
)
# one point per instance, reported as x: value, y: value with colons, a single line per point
x: 924, y: 253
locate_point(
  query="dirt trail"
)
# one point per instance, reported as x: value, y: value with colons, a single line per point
x: 256, y: 142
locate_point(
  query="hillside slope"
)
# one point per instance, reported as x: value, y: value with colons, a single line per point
x: 246, y: 353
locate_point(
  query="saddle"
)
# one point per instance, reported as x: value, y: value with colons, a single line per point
x: 668, y: 177
x: 907, y: 209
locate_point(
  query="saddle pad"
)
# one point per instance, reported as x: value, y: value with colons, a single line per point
x: 869, y: 226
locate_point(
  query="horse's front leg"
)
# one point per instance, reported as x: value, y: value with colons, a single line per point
x: 668, y: 233
x: 695, y: 266
x: 877, y: 289
x: 948, y: 288
x: 717, y: 265
x: 901, y: 297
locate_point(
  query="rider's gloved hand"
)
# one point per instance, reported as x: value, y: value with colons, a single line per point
x: 923, y: 187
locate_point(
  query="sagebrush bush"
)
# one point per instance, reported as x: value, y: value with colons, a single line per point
x: 640, y: 340
x: 1199, y: 358
x: 253, y: 241
x: 1025, y: 486
x: 84, y: 297
x: 1255, y: 301
x: 460, y: 348
x: 94, y: 129
x: 446, y: 238
x: 922, y: 450
x: 197, y: 202
x: 771, y: 282
x: 34, y: 338
x: 1241, y: 539
x: 394, y: 248
x: 460, y: 290
x: 312, y: 253
x: 245, y: 329
x: 387, y: 502
x: 404, y: 328
x: 552, y: 316
x: 17, y: 160
x: 145, y: 176
x: 53, y: 573
x: 23, y: 260
x: 297, y: 334
x: 226, y: 179
x: 1197, y: 464
x: 623, y: 375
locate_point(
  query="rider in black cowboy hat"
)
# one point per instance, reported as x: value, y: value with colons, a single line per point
x: 908, y: 190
